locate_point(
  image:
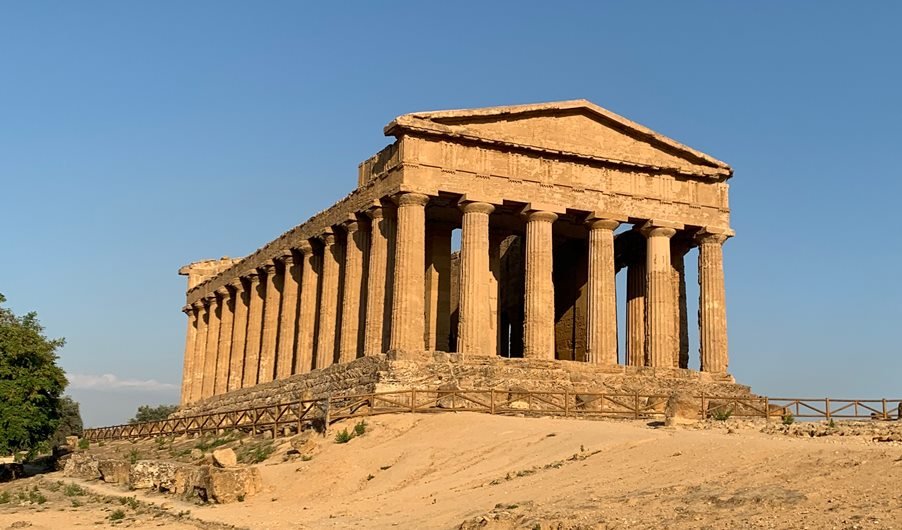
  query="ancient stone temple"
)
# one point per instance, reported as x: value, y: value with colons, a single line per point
x: 552, y: 201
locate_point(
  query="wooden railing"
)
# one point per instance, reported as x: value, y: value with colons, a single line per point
x: 319, y: 413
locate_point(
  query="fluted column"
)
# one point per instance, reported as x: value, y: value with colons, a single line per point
x: 379, y: 280
x: 254, y: 329
x: 636, y: 279
x: 473, y: 311
x: 350, y: 343
x: 212, y: 346
x: 493, y: 296
x: 200, y: 348
x: 328, y: 305
x: 288, y: 317
x: 660, y: 337
x: 602, y: 313
x: 306, y: 329
x: 712, y: 302
x: 270, y: 333
x: 681, y: 320
x: 239, y: 335
x: 438, y: 287
x: 538, y: 327
x: 407, y: 306
x: 224, y: 350
x: 188, y: 361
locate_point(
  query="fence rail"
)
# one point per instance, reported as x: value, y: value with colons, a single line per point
x: 319, y: 413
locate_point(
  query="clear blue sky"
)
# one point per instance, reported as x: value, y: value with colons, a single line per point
x: 137, y: 137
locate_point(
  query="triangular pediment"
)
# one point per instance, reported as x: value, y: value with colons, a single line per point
x: 577, y: 127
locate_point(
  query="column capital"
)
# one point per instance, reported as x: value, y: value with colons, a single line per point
x: 476, y: 207
x: 223, y: 292
x: 304, y: 247
x: 375, y: 212
x: 351, y: 225
x: 602, y: 224
x: 253, y: 277
x: 210, y: 299
x: 659, y: 229
x: 713, y: 236
x: 328, y: 238
x: 187, y: 309
x: 236, y: 284
x: 268, y: 268
x: 411, y: 199
x: 286, y: 258
x: 198, y: 304
x: 541, y: 216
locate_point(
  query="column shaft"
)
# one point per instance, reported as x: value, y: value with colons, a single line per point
x: 602, y: 310
x: 200, y: 349
x: 712, y: 303
x: 438, y: 287
x: 328, y: 305
x: 379, y: 280
x: 636, y: 279
x: 227, y: 313
x: 493, y: 336
x: 407, y: 305
x: 660, y: 337
x: 355, y: 247
x: 288, y: 312
x: 188, y: 366
x: 239, y: 335
x: 269, y: 339
x: 473, y: 312
x: 306, y: 329
x: 254, y: 330
x: 212, y: 348
x: 681, y: 321
x: 538, y: 328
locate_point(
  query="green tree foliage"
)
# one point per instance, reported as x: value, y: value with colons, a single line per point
x: 30, y: 382
x: 148, y: 413
x: 70, y: 422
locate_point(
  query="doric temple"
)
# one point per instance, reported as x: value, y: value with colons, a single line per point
x: 552, y: 200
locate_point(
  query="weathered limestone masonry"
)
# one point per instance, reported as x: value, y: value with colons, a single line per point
x: 552, y: 201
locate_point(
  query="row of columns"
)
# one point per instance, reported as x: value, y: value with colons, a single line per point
x: 329, y: 306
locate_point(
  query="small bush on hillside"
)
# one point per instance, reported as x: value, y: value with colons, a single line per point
x: 343, y: 437
x: 788, y: 418
x: 721, y: 414
x: 84, y: 443
x: 73, y: 490
x: 360, y: 428
x: 117, y: 515
x: 133, y: 456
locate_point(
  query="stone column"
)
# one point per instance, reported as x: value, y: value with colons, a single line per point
x: 380, y: 279
x: 602, y: 311
x: 227, y: 313
x: 328, y: 304
x: 306, y: 329
x: 493, y: 336
x: 254, y: 329
x: 538, y: 326
x: 712, y: 302
x: 410, y: 258
x: 288, y: 313
x: 213, y: 316
x: 438, y: 287
x: 660, y: 338
x: 636, y: 278
x: 239, y: 335
x: 188, y: 366
x: 473, y: 311
x: 200, y: 348
x: 355, y: 246
x: 269, y: 339
x: 681, y: 321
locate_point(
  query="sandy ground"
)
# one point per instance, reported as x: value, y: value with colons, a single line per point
x: 477, y: 471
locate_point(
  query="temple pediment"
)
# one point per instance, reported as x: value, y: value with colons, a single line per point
x: 576, y: 127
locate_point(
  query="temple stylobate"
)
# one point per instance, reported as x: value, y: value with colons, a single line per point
x: 552, y: 201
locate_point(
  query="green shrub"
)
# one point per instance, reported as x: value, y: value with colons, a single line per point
x: 343, y: 436
x: 788, y: 418
x: 73, y: 490
x: 133, y: 456
x: 117, y: 515
x: 4, y: 497
x: 831, y: 424
x: 721, y: 414
x: 84, y: 443
x: 360, y: 428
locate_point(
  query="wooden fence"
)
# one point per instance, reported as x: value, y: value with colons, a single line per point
x: 293, y: 416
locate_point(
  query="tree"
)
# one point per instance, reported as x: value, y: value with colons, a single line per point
x: 70, y: 423
x: 30, y: 382
x: 148, y: 413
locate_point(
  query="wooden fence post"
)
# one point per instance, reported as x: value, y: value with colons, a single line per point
x: 766, y: 410
x: 884, y: 409
x: 827, y: 408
